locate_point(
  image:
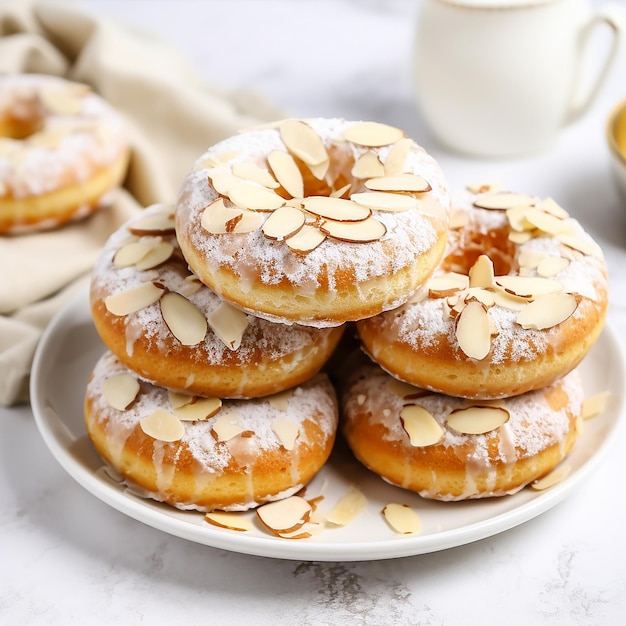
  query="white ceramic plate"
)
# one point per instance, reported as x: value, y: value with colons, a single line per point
x: 70, y: 348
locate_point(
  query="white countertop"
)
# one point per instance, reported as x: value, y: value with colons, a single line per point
x: 66, y: 557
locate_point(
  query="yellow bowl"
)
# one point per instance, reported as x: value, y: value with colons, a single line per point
x: 616, y: 137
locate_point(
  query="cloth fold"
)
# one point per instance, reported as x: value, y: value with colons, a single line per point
x: 172, y: 116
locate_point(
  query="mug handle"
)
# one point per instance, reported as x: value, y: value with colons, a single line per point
x: 615, y: 18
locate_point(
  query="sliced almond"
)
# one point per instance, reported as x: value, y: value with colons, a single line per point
x: 385, y: 201
x: 478, y: 294
x: 302, y: 141
x: 229, y: 324
x: 283, y: 223
x: 199, y: 409
x: 229, y: 520
x: 286, y: 430
x: 249, y: 222
x: 254, y: 197
x: 120, y: 390
x: 348, y: 508
x: 178, y: 399
x: 280, y: 401
x: 445, y: 285
x: 504, y: 200
x: 473, y: 331
x: 560, y: 473
x: 402, y: 518
x: 320, y: 170
x: 336, y: 208
x: 372, y: 134
x: 520, y: 237
x: 185, y: 321
x: 354, y: 232
x: 222, y: 179
x: 134, y: 299
x: 477, y: 420
x: 399, y: 182
x: 163, y: 426
x: 530, y: 258
x: 546, y: 222
x: 553, y: 208
x: 368, y: 165
x: 286, y: 172
x: 132, y: 252
x: 595, y: 405
x: 191, y: 284
x: 219, y: 219
x: 485, y: 187
x: 530, y: 287
x: 61, y: 101
x: 582, y: 244
x: 421, y: 427
x: 342, y: 192
x: 157, y: 255
x: 405, y: 390
x: 550, y: 266
x: 305, y: 240
x: 217, y: 159
x: 509, y: 301
x: 517, y: 218
x: 250, y: 171
x: 395, y: 163
x: 226, y: 427
x: 285, y: 516
x: 481, y: 273
x: 160, y: 223
x: 547, y: 311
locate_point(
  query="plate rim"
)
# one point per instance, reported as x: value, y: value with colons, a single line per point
x: 274, y: 547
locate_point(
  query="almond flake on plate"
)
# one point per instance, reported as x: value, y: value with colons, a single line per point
x: 185, y: 321
x: 120, y: 390
x: 420, y: 426
x: 560, y: 473
x: 348, y: 508
x: 595, y: 405
x: 285, y: 516
x: 134, y: 299
x: 402, y: 518
x: 372, y: 134
x: 163, y: 426
x: 231, y: 520
x: 477, y: 420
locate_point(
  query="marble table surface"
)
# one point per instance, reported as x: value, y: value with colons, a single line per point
x: 68, y: 558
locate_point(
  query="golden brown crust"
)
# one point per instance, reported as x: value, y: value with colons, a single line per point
x: 198, y: 472
x: 539, y: 433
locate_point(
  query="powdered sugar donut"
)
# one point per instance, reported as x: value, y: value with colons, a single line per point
x: 317, y: 221
x: 447, y: 448
x: 205, y: 454
x: 164, y: 324
x: 518, y: 301
x: 62, y: 149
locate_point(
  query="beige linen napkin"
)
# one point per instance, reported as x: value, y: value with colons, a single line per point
x: 172, y: 118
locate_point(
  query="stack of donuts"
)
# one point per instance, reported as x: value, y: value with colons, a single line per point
x: 63, y: 150
x: 228, y: 318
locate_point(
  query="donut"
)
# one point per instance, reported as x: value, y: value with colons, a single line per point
x: 154, y: 314
x: 204, y: 454
x: 447, y: 448
x: 62, y: 150
x: 517, y: 302
x: 318, y: 222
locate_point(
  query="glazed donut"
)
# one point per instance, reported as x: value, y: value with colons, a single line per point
x: 205, y: 454
x: 419, y: 440
x: 164, y: 324
x: 62, y: 149
x: 318, y: 222
x: 518, y: 301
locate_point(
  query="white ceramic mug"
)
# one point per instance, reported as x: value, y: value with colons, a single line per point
x: 502, y: 77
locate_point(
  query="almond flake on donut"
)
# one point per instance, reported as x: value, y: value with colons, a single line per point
x: 405, y: 390
x: 485, y: 187
x: 348, y: 508
x: 286, y: 516
x: 336, y: 209
x: 546, y: 222
x: 229, y: 324
x: 551, y: 266
x: 222, y: 180
x: 216, y: 160
x: 557, y: 475
x: 372, y: 134
x: 478, y: 294
x: 219, y: 219
x: 547, y: 311
x: 162, y: 426
x: 158, y: 254
x: 397, y: 156
x: 62, y: 101
x: 520, y: 237
x: 186, y: 322
x: 481, y: 273
x: 131, y: 253
x: 283, y: 223
x: 254, y: 197
x: 120, y: 390
x: 421, y: 427
x: 549, y: 205
x: 286, y: 172
x: 134, y: 299
x: 161, y: 223
x: 530, y: 258
x: 529, y: 287
x: 447, y: 284
x: 399, y: 182
x: 502, y: 201
x: 342, y: 192
x: 228, y: 519
x: 280, y: 401
x: 368, y: 165
x: 286, y: 431
x: 385, y: 201
x: 177, y: 399
x: 305, y: 240
x: 226, y: 427
x: 581, y: 244
x: 477, y: 420
x: 303, y: 142
x: 402, y: 518
x: 198, y: 409
x: 252, y: 172
x: 473, y: 331
x: 364, y: 231
x: 191, y: 284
